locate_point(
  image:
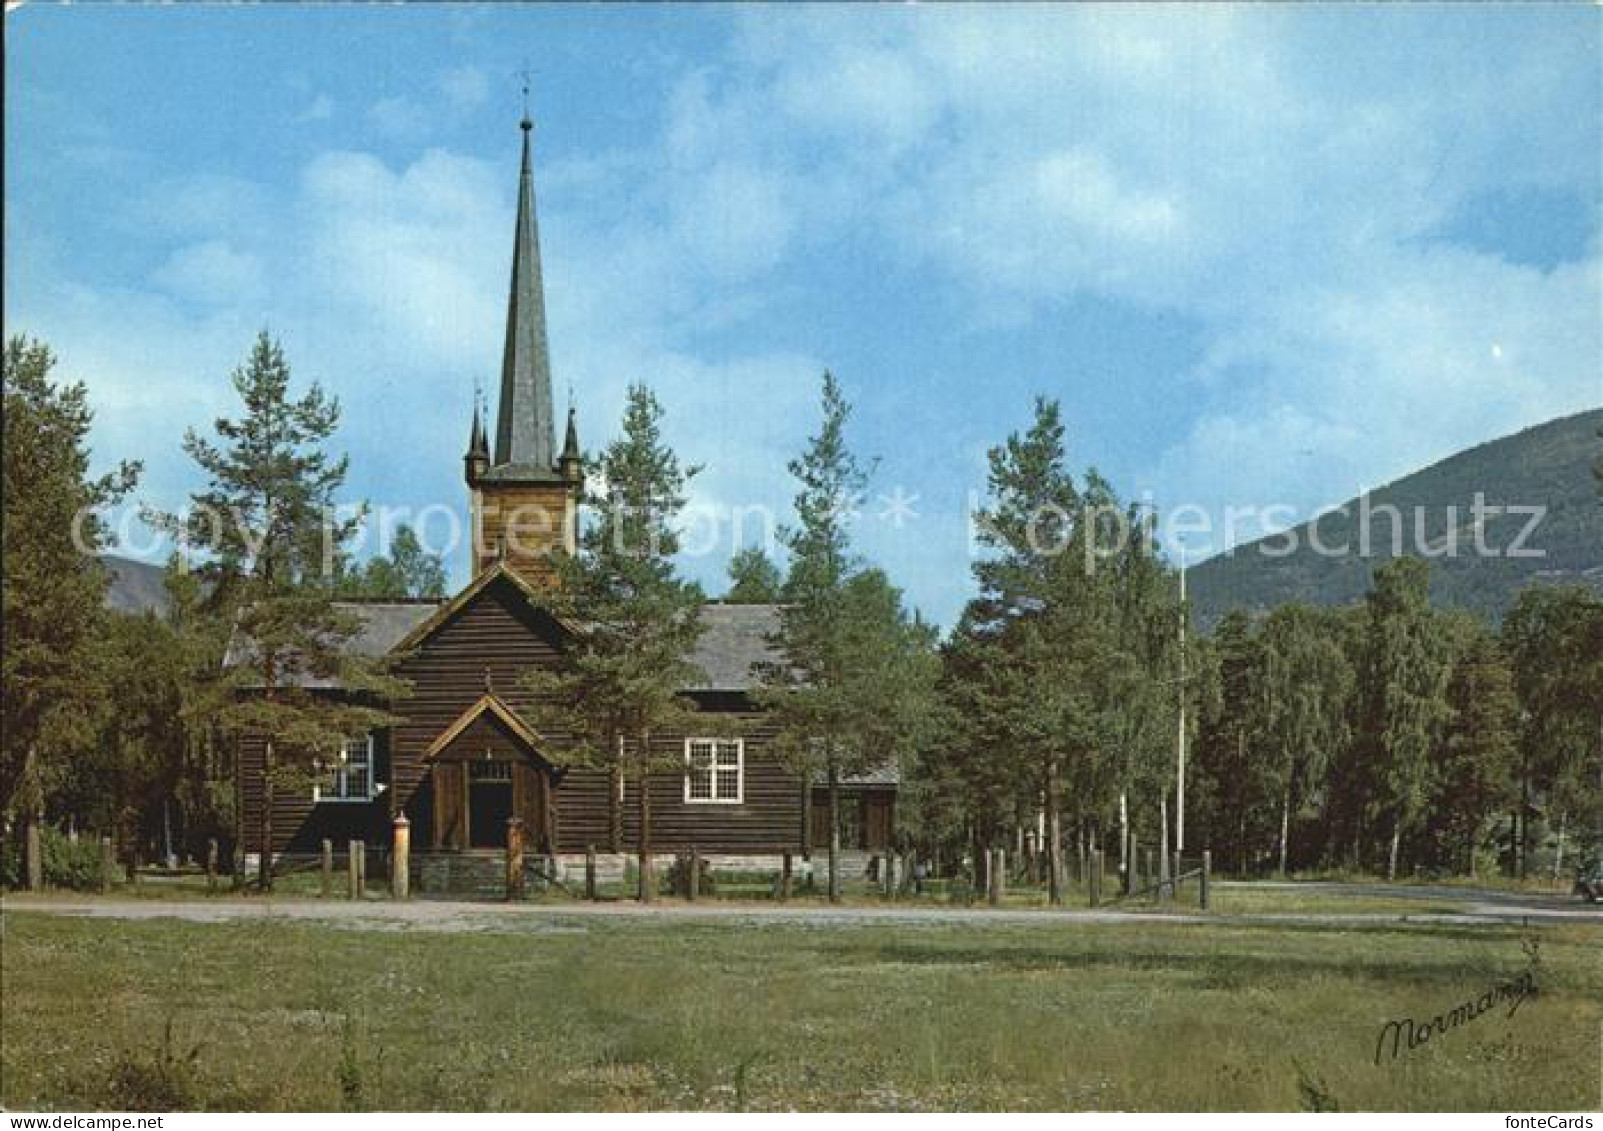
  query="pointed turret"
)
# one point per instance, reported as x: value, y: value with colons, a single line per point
x: 477, y: 459
x: 572, y: 462
x: 524, y: 432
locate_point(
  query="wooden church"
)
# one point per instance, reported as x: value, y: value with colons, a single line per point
x: 472, y: 750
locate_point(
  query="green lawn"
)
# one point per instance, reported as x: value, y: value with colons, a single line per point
x: 552, y: 1012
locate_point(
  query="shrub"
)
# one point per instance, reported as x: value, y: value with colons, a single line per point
x: 67, y: 864
x: 677, y: 880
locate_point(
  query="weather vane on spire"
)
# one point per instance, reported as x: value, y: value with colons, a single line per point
x: 524, y: 73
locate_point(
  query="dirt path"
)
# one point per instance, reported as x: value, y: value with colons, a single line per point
x: 1472, y: 907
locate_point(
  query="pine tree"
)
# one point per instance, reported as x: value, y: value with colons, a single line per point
x: 1048, y: 618
x: 754, y: 580
x: 847, y: 696
x: 639, y: 621
x: 267, y: 522
x: 52, y: 674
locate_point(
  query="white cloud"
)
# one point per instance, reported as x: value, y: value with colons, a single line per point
x: 465, y: 88
x: 211, y: 272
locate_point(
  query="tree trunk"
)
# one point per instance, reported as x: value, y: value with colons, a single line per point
x: 834, y: 832
x: 1285, y: 824
x: 643, y: 808
x: 1126, y: 865
x: 1558, y: 856
x: 1054, y: 835
x: 264, y: 862
x: 1396, y: 840
x: 167, y: 833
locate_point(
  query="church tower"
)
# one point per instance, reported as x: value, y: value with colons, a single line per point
x: 524, y: 494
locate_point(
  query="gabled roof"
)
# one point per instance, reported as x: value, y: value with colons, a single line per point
x: 425, y: 628
x: 489, y: 703
x: 735, y: 643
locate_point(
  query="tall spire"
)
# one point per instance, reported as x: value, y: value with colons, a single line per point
x: 524, y: 429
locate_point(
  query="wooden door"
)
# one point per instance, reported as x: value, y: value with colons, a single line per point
x: 529, y: 802
x: 876, y: 822
x: 450, y: 805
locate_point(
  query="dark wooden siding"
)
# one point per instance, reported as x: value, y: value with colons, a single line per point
x: 299, y: 825
x: 493, y: 641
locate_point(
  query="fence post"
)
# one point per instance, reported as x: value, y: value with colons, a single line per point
x: 590, y: 873
x: 1174, y: 879
x: 108, y: 864
x: 784, y: 877
x: 994, y: 875
x: 1093, y: 877
x: 353, y: 878
x: 401, y: 858
x: 36, y: 864
x: 328, y: 868
x: 693, y: 881
x: 514, y: 861
x: 1207, y: 870
x: 361, y: 869
x: 211, y: 864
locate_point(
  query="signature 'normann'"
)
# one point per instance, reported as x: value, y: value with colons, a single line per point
x: 1410, y: 1034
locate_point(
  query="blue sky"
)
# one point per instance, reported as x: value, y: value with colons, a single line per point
x: 1262, y: 255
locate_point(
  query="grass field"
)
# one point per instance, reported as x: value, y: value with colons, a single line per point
x: 553, y: 1012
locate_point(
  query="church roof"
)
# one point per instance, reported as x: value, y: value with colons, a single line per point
x: 525, y: 434
x: 735, y: 642
x: 733, y: 647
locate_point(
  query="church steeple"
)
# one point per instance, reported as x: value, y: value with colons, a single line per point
x: 524, y: 494
x: 524, y: 430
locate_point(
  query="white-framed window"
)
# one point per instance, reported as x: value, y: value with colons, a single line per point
x: 715, y: 771
x: 351, y: 777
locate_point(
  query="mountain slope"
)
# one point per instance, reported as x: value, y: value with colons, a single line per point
x: 136, y: 586
x: 1548, y: 466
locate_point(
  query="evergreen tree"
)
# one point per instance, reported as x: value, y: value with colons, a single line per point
x: 52, y: 674
x: 639, y: 621
x: 847, y: 694
x: 1041, y: 609
x: 266, y: 521
x: 754, y: 580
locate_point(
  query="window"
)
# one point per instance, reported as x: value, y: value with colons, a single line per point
x: 715, y: 770
x: 350, y: 778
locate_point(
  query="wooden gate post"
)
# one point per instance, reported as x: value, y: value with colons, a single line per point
x: 514, y: 877
x: 211, y: 864
x: 35, y: 862
x: 1093, y: 877
x: 1207, y: 869
x: 401, y: 858
x: 353, y: 877
x: 361, y: 869
x: 997, y: 863
x: 784, y: 877
x: 108, y: 864
x: 693, y: 881
x: 590, y: 873
x: 328, y: 868
x: 1174, y: 878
